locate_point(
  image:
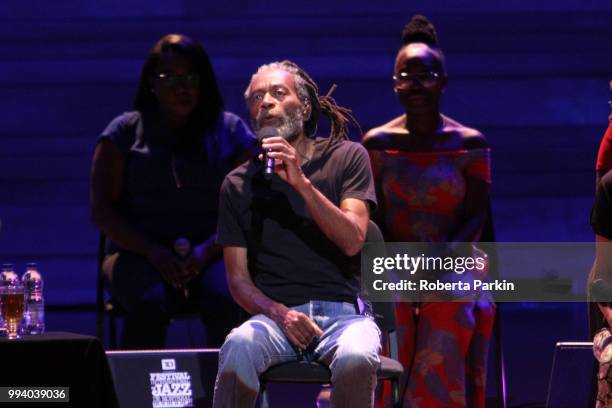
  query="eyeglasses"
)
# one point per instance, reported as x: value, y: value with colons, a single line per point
x: 170, y: 80
x: 426, y: 79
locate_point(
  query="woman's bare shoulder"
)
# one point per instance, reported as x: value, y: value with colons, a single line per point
x: 380, y: 135
x: 470, y: 138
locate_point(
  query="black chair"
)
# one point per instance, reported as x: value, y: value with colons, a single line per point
x: 318, y: 373
x: 106, y: 307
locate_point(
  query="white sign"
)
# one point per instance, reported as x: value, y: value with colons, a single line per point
x: 171, y: 389
x: 168, y: 364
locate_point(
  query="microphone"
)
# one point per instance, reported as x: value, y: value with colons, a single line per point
x: 182, y: 247
x: 265, y: 132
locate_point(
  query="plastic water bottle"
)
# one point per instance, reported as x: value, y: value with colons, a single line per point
x: 34, y: 315
x: 8, y: 277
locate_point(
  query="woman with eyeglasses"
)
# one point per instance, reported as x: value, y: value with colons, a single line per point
x: 433, y: 174
x: 155, y: 178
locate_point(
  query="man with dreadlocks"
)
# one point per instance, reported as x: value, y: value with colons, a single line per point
x: 287, y: 242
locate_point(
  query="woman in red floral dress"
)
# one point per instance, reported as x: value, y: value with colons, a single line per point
x: 433, y: 176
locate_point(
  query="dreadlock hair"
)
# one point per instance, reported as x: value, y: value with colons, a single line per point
x: 308, y: 92
x: 421, y: 30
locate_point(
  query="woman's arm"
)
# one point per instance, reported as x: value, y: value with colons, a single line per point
x: 476, y: 202
x: 469, y: 227
x: 201, y: 256
x: 107, y: 173
x: 602, y: 270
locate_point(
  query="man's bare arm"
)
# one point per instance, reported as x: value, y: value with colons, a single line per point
x: 345, y: 226
x: 299, y: 328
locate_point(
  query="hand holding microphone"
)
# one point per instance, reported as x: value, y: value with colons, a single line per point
x: 281, y: 158
x: 263, y: 133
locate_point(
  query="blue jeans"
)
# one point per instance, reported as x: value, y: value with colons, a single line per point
x: 349, y: 346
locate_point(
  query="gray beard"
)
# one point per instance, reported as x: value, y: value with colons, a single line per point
x: 290, y: 128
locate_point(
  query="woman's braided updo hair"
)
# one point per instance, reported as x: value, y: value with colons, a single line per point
x: 421, y: 30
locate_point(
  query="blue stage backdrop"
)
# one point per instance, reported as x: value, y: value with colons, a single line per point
x: 533, y: 76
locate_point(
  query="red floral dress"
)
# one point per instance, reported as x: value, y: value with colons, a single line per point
x: 421, y: 197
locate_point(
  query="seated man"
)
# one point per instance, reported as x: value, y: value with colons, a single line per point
x: 287, y: 240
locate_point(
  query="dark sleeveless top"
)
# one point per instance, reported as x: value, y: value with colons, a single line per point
x: 171, y: 190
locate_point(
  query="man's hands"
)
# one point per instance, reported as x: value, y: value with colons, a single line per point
x: 286, y: 161
x: 299, y: 328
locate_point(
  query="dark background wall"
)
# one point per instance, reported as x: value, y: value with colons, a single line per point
x: 533, y: 76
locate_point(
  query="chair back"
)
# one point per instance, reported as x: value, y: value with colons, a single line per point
x: 383, y: 312
x: 100, y: 301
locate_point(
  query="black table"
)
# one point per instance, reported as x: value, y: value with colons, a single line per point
x: 58, y: 359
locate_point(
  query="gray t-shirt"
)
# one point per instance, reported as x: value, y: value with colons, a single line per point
x: 290, y: 259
